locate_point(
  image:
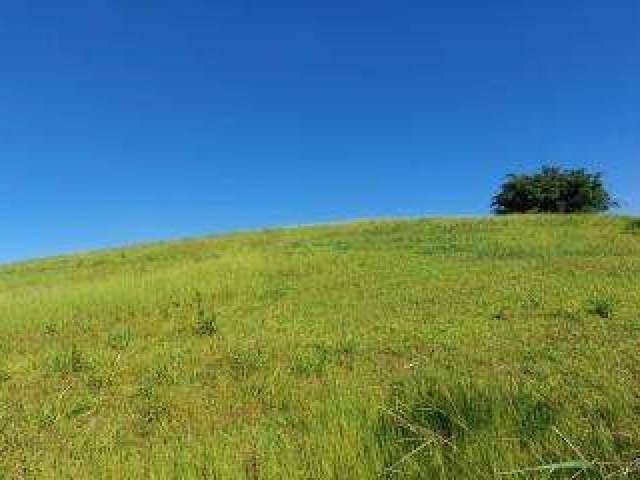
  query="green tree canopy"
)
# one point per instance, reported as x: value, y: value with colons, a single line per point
x: 553, y: 190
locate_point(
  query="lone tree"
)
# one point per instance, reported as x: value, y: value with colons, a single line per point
x: 553, y: 190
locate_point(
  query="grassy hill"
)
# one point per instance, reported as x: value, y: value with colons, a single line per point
x: 435, y: 349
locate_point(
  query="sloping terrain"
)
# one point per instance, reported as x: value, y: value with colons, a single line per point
x: 431, y: 348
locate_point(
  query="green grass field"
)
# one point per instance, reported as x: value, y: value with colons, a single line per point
x: 404, y: 349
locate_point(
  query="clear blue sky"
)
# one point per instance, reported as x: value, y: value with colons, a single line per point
x: 124, y: 121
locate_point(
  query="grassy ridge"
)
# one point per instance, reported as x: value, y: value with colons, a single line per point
x: 396, y: 349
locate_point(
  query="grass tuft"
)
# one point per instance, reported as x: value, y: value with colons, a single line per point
x: 68, y: 360
x: 601, y: 306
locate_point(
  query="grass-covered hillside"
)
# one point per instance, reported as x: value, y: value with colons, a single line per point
x: 435, y: 349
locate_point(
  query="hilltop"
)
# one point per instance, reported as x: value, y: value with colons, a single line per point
x: 427, y: 348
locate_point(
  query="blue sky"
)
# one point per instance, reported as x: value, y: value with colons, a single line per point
x: 125, y: 121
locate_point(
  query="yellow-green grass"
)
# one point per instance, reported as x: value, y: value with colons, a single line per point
x: 429, y: 348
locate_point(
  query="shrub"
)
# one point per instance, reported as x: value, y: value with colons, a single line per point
x: 553, y: 190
